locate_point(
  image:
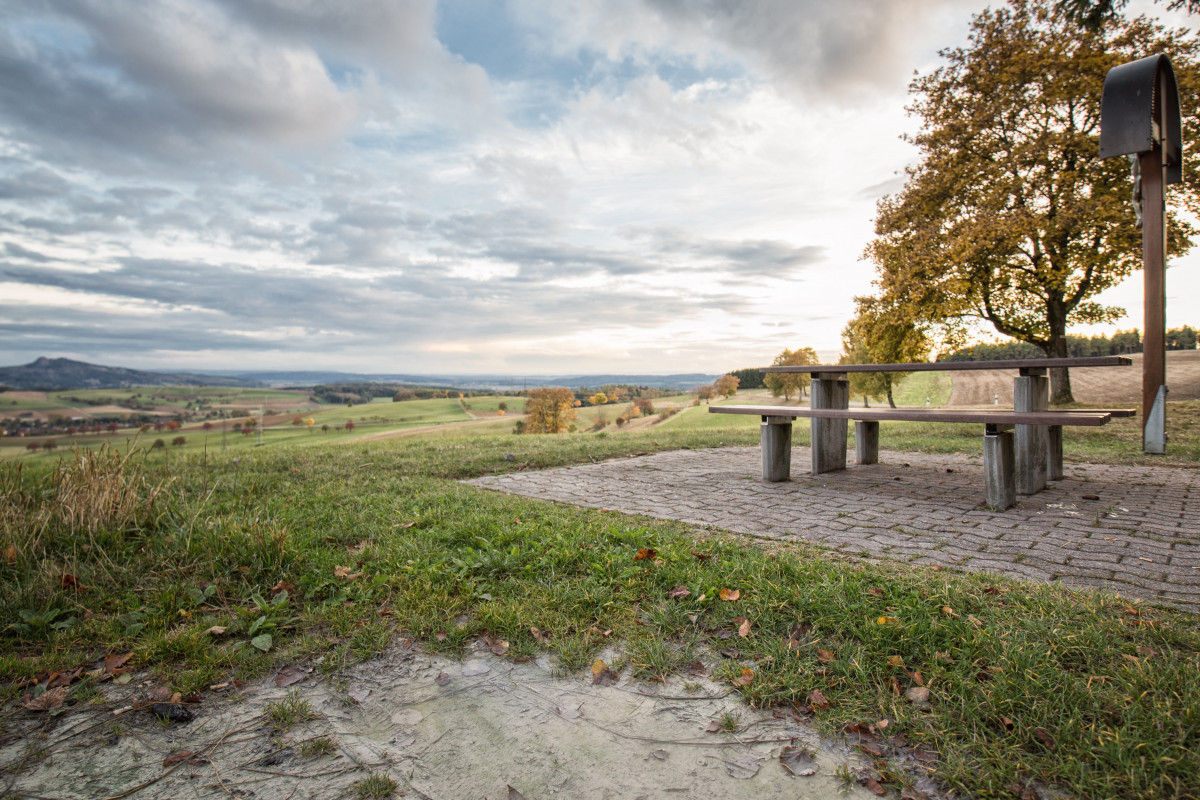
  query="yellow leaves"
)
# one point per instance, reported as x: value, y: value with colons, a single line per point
x: 730, y: 595
x: 10, y: 555
x: 646, y: 553
x: 896, y: 661
x: 746, y: 678
x: 602, y: 675
x: 949, y: 612
x: 887, y: 621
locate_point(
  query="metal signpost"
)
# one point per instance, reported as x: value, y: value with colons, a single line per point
x: 1139, y: 118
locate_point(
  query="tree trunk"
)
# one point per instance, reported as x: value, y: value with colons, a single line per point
x: 865, y: 403
x: 1060, y: 377
x: 891, y: 402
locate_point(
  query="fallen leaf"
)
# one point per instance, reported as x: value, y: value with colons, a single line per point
x: 697, y: 668
x: 743, y: 626
x: 917, y: 677
x: 824, y: 656
x: 883, y: 723
x: 282, y: 586
x: 114, y: 662
x: 949, y: 612
x: 917, y: 695
x: 871, y: 748
x: 408, y: 524
x: 887, y: 620
x: 217, y: 630
x: 1148, y: 652
x: 440, y: 636
x: 185, y: 757
x: 798, y: 761
x: 646, y: 553
x: 974, y: 621
x: 341, y: 572
x: 602, y: 675
x: 289, y: 676
x: 874, y: 786
x: 817, y: 700
x: 123, y: 678
x: 1131, y: 659
x: 875, y: 592
x: 69, y: 582
x: 10, y: 555
x: 597, y: 632
x: 262, y: 642
x: 1045, y: 738
x: 712, y: 727
x: 896, y: 661
x: 702, y: 556
x: 497, y: 646
x: 357, y: 549
x: 542, y: 637
x: 1007, y: 723
x: 730, y: 595
x: 51, y: 700
x: 746, y: 678
x: 798, y: 630
x: 679, y: 592
x: 442, y: 679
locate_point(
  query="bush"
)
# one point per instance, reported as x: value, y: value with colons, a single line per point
x: 179, y: 441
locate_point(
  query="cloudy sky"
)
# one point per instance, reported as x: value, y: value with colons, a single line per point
x: 515, y: 186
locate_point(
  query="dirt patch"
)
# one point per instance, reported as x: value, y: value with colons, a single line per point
x: 1092, y: 385
x: 23, y: 395
x: 439, y: 728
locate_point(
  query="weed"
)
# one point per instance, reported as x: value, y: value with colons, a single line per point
x: 320, y: 746
x: 729, y: 722
x: 375, y: 785
x: 289, y: 712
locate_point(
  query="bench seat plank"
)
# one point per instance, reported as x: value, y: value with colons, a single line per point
x: 955, y: 366
x: 1087, y: 418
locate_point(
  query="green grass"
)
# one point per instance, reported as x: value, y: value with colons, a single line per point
x: 917, y: 386
x: 374, y: 538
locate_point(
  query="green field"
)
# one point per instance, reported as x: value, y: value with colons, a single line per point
x: 172, y: 542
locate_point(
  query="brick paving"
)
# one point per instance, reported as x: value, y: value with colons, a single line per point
x: 1140, y: 538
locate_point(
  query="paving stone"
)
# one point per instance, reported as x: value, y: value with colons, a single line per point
x: 929, y: 516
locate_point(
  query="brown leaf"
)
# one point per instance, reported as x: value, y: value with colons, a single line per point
x: 874, y: 786
x: 702, y: 556
x: 974, y: 621
x: 542, y: 637
x: 113, y: 661
x: 282, y: 586
x: 730, y: 595
x: 679, y: 592
x: 798, y: 630
x: 513, y: 794
x: 697, y: 668
x: 871, y: 747
x: 69, y: 582
x: 341, y: 572
x: 746, y: 678
x: 646, y: 553
x: 497, y: 645
x: 875, y: 592
x: 1007, y: 723
x: 950, y: 612
x: 51, y: 700
x: 824, y: 656
x: 1131, y: 659
x: 442, y: 679
x: 440, y: 636
x: 217, y: 630
x: 817, y: 700
x: 10, y: 555
x: 289, y: 676
x: 185, y: 757
x: 1148, y: 652
x: 602, y: 675
x: 1045, y: 738
x: 743, y: 626
x: 357, y: 549
x: 712, y: 727
x: 597, y: 632
x: 798, y: 761
x: 65, y: 678
x: 896, y: 661
x: 917, y: 677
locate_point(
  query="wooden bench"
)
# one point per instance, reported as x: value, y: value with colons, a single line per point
x: 1020, y: 460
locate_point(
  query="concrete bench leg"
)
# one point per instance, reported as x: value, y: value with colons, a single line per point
x: 999, y: 466
x: 829, y: 436
x: 1031, y: 393
x: 776, y: 449
x: 866, y: 441
x: 1054, y: 469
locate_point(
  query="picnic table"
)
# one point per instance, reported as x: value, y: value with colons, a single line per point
x: 1022, y: 448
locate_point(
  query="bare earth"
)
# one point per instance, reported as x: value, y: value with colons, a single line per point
x: 1095, y: 385
x: 479, y: 728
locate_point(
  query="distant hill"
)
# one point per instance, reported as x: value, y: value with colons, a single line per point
x: 50, y: 374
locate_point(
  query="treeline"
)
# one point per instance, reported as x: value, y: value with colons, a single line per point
x: 347, y: 393
x: 1119, y: 344
x: 749, y: 378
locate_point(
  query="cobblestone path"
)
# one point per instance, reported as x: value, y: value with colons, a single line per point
x: 1134, y: 530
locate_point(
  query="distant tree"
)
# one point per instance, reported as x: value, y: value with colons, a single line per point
x: 598, y: 399
x: 112, y: 427
x: 519, y: 427
x: 503, y: 406
x: 704, y: 393
x: 1181, y: 338
x: 158, y: 426
x: 49, y: 444
x: 644, y: 406
x: 349, y: 424
x: 325, y: 428
x: 309, y: 422
x: 159, y: 444
x: 179, y: 441
x: 789, y: 383
x: 549, y: 410
x: 297, y: 421
x: 33, y: 447
x: 208, y: 426
x: 750, y: 378
x: 880, y: 334
x: 726, y: 385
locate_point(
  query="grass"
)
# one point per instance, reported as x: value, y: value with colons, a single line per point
x: 375, y: 786
x: 334, y: 550
x: 289, y: 712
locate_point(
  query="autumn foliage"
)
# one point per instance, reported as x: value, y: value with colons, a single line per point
x: 549, y: 410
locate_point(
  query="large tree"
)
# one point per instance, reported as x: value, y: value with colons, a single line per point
x: 549, y: 410
x: 1010, y: 217
x: 789, y: 383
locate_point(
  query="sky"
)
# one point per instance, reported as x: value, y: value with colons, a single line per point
x: 468, y: 186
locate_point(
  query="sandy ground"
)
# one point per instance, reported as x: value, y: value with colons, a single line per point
x: 480, y: 728
x: 1095, y: 385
